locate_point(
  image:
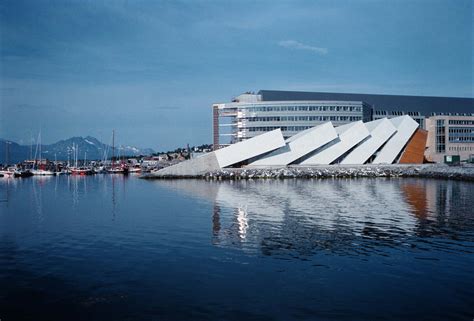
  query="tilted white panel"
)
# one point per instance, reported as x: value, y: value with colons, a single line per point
x: 349, y: 136
x: 250, y: 148
x: 406, y: 126
x: 380, y: 131
x: 299, y: 145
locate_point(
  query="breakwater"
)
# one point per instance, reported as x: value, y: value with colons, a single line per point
x: 465, y: 173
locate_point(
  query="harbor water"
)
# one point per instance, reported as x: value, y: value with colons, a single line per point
x: 112, y: 247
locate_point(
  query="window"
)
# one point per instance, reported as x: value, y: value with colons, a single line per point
x: 440, y: 139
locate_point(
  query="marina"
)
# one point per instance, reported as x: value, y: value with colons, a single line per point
x: 38, y: 166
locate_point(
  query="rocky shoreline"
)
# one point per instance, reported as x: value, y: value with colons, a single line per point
x: 464, y: 173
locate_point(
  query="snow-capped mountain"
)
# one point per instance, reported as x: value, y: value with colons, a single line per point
x: 88, y: 147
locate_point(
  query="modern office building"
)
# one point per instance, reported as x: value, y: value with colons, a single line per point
x: 423, y: 104
x: 449, y: 135
x: 250, y: 114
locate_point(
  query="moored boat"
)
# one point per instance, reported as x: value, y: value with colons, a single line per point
x: 6, y: 173
x: 15, y: 172
x: 82, y: 171
x: 42, y: 172
x: 117, y: 170
x: 134, y: 169
x: 25, y: 173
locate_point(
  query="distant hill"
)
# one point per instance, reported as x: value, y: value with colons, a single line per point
x: 91, y: 146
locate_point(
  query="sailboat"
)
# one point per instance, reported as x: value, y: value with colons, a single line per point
x: 12, y: 171
x: 40, y: 169
x: 101, y: 169
x: 5, y: 172
x: 116, y: 169
x: 83, y: 170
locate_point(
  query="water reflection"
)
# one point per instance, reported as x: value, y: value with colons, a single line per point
x: 123, y: 248
x: 350, y: 217
x: 74, y: 192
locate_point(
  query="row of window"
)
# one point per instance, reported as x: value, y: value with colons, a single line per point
x: 462, y: 139
x: 396, y: 113
x: 461, y: 148
x: 461, y: 122
x: 283, y: 128
x: 304, y: 118
x: 305, y: 108
x: 461, y: 135
x: 461, y: 130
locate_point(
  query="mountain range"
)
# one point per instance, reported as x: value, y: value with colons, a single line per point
x: 88, y: 147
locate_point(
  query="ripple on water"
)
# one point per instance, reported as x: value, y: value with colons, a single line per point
x: 127, y: 248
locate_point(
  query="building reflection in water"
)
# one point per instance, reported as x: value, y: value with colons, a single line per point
x: 347, y: 216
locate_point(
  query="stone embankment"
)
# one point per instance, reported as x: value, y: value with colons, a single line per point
x: 465, y: 172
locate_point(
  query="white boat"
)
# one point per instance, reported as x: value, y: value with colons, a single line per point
x: 14, y: 172
x: 100, y: 170
x: 42, y: 172
x: 117, y: 170
x: 6, y: 173
x: 134, y: 169
x: 39, y: 168
x: 82, y: 171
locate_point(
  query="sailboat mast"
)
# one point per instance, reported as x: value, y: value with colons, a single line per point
x: 75, y: 155
x: 6, y: 153
x: 39, y: 138
x: 31, y: 146
x: 37, y: 147
x: 113, y: 148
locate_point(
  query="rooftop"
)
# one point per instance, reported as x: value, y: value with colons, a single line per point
x: 426, y: 105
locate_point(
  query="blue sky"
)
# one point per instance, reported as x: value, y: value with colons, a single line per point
x: 152, y: 69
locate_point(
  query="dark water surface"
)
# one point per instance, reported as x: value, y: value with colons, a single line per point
x: 116, y: 248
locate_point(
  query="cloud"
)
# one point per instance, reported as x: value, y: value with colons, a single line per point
x: 293, y: 44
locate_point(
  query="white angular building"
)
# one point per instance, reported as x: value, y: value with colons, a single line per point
x: 383, y: 141
x: 379, y: 132
x: 299, y: 145
x: 348, y: 136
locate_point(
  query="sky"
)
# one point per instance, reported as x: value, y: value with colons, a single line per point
x: 152, y: 69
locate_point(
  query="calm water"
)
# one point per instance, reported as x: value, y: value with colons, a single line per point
x: 115, y: 248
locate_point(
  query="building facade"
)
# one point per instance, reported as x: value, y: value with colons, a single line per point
x: 450, y: 135
x: 247, y: 116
